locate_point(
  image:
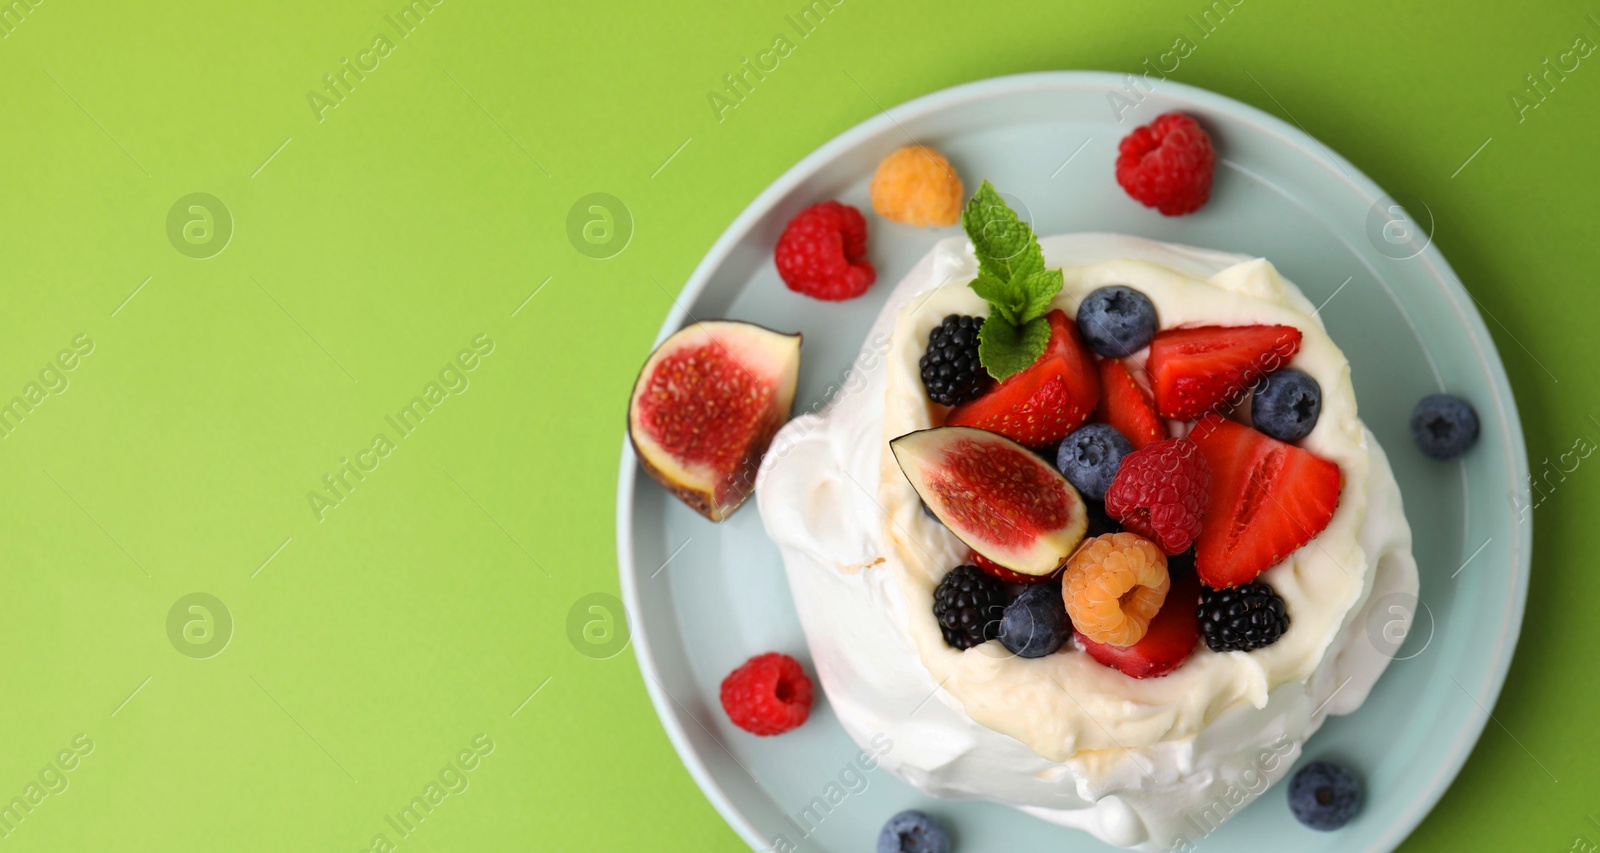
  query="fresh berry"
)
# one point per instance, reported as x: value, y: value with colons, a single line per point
x: 968, y: 605
x: 1208, y: 368
x: 1126, y: 406
x: 1167, y: 164
x: 1171, y: 638
x: 1160, y: 493
x: 1324, y: 796
x: 1043, y: 403
x: 1286, y: 405
x: 1116, y: 321
x: 1090, y: 456
x: 1444, y: 426
x: 917, y: 186
x: 1114, y: 585
x: 1000, y: 572
x: 950, y: 368
x: 821, y: 253
x: 769, y: 695
x: 1267, y: 500
x: 1242, y: 618
x: 1036, y: 623
x: 913, y: 832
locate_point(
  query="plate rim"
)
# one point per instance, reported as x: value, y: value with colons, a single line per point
x: 1441, y: 274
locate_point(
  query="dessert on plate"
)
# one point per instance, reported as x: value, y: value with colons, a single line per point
x: 1096, y: 535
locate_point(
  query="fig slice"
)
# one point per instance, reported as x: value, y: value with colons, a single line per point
x: 705, y: 408
x: 1001, y: 499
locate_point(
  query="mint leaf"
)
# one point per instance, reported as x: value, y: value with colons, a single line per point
x: 1038, y: 289
x: 1013, y: 280
x: 1005, y: 298
x: 1006, y: 349
x: 1004, y: 244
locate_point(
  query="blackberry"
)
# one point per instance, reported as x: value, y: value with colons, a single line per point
x: 1241, y: 618
x: 969, y: 604
x: 950, y: 368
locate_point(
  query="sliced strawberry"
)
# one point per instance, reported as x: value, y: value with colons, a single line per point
x: 1040, y: 405
x: 1126, y: 407
x: 1267, y: 500
x: 1171, y: 638
x: 1204, y: 369
x: 1006, y: 574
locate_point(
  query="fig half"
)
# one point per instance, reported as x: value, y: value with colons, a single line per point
x: 705, y: 408
x: 997, y: 496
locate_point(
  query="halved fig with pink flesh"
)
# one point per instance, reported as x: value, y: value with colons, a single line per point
x: 997, y: 496
x: 705, y: 408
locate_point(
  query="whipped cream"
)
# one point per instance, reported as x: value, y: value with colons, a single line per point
x: 1147, y: 764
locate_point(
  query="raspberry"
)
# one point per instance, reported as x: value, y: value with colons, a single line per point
x: 916, y: 186
x: 1114, y: 585
x: 1167, y: 164
x: 769, y: 695
x: 821, y: 250
x: 1160, y: 492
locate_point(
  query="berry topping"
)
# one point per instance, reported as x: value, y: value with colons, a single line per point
x: 1444, y: 426
x: 1242, y: 618
x: 1114, y: 585
x: 968, y: 605
x: 1167, y: 164
x: 1043, y: 403
x: 821, y: 252
x: 1267, y: 500
x: 1116, y: 321
x: 1208, y: 368
x: 950, y: 368
x: 1036, y: 623
x: 1171, y: 638
x: 1160, y: 493
x: 1286, y: 405
x: 1090, y: 456
x: 916, y: 186
x: 913, y: 832
x: 1324, y: 796
x: 1126, y: 406
x: 769, y: 695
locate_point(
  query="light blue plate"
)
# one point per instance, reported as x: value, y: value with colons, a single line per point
x: 1049, y: 141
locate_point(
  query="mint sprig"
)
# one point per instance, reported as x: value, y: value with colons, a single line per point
x: 1013, y: 280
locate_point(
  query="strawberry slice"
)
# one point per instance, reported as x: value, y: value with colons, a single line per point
x: 1040, y: 405
x: 1171, y: 638
x: 1267, y: 500
x: 1204, y: 369
x: 1126, y: 407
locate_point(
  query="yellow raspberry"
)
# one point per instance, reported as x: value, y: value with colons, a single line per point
x: 1113, y: 586
x: 917, y: 186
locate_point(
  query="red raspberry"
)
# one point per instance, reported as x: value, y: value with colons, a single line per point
x: 769, y: 695
x: 821, y: 250
x: 1160, y: 492
x: 1167, y: 164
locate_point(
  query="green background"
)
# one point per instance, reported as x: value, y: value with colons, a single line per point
x: 369, y: 246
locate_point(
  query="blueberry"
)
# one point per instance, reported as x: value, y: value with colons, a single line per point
x: 1444, y: 426
x: 1036, y: 623
x: 913, y: 832
x: 1117, y: 321
x: 1324, y: 796
x: 1090, y: 457
x: 1286, y: 405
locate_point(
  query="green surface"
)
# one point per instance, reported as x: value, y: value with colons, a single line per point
x: 373, y: 642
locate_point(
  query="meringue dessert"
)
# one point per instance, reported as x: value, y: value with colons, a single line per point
x: 1138, y: 730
